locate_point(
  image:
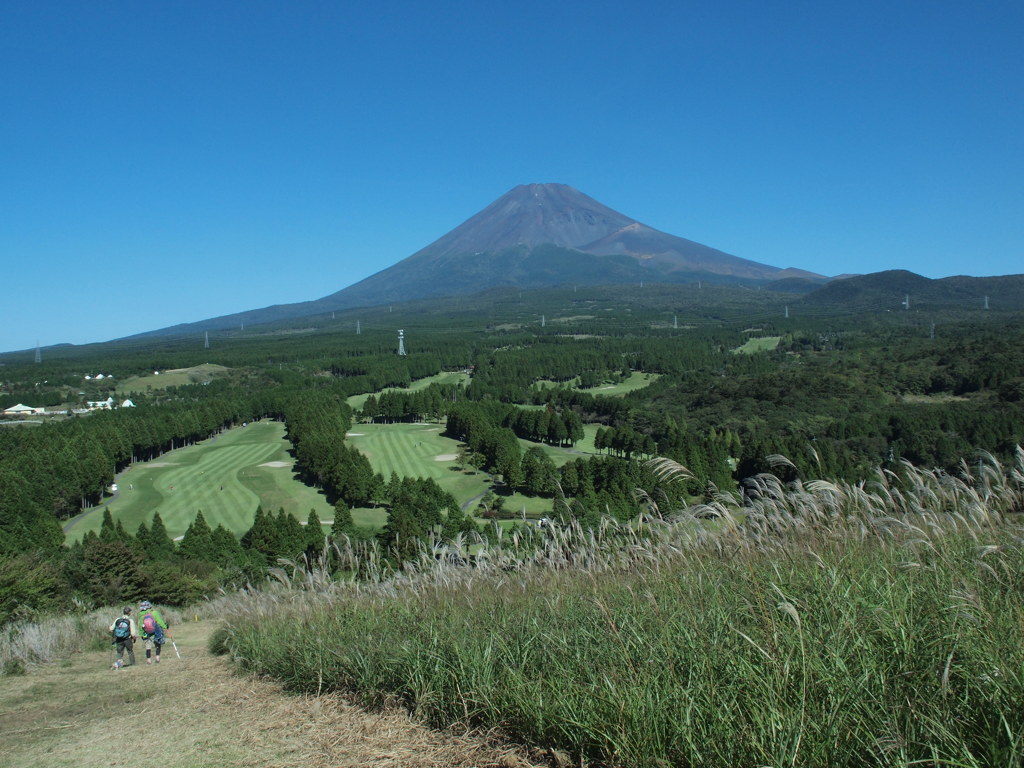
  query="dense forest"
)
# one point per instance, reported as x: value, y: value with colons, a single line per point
x: 836, y: 394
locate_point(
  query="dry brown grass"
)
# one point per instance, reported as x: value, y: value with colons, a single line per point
x: 197, y: 712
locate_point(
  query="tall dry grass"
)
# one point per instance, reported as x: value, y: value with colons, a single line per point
x: 27, y: 644
x: 818, y: 623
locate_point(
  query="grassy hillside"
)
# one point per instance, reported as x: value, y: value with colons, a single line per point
x: 226, y: 477
x: 821, y: 625
x: 448, y: 377
x: 177, y: 377
x: 637, y: 380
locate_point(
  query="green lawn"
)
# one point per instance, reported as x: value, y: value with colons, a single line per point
x: 760, y: 344
x: 417, y: 450
x: 413, y: 450
x: 176, y: 377
x: 226, y: 477
x: 449, y: 377
x: 564, y: 455
x: 636, y: 380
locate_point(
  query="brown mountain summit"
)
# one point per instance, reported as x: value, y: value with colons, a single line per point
x: 550, y: 234
x: 533, y: 236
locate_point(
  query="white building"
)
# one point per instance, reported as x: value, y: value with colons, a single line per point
x: 22, y: 410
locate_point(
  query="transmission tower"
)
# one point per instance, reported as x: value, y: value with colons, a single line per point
x: 401, y: 342
x: 39, y: 352
x: 358, y: 330
x: 206, y: 344
x: 986, y: 302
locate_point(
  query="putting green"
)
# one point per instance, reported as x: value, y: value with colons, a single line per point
x: 226, y: 477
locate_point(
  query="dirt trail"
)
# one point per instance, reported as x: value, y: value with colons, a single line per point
x: 196, y: 712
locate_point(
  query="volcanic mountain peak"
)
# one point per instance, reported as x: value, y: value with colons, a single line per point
x: 531, y: 215
x: 534, y: 235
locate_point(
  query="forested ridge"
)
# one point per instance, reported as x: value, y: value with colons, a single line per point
x: 837, y: 396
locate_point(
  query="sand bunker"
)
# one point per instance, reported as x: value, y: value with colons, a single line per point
x: 276, y: 464
x: 446, y: 457
x: 355, y: 434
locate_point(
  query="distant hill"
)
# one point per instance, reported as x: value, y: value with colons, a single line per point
x: 535, y: 235
x: 889, y: 290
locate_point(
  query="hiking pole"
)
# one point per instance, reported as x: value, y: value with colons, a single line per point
x: 174, y: 644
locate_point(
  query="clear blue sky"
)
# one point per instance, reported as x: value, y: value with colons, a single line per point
x: 166, y: 162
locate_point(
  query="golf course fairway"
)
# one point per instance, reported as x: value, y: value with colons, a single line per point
x: 226, y: 476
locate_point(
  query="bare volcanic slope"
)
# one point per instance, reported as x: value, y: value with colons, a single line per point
x: 549, y: 234
x: 533, y: 236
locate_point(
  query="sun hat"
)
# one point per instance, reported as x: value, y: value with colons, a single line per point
x: 145, y: 605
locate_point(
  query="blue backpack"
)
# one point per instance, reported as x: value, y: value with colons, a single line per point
x: 122, y: 628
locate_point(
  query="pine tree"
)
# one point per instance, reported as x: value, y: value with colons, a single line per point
x: 228, y: 549
x: 107, y: 530
x: 143, y: 540
x: 121, y: 534
x: 197, y: 543
x: 343, y: 523
x: 314, y: 534
x: 161, y: 544
x: 402, y: 533
x: 291, y: 537
x: 262, y: 538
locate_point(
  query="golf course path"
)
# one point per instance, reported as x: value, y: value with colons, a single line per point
x: 197, y: 712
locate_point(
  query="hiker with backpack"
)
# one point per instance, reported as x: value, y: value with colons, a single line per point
x: 152, y: 628
x: 124, y: 633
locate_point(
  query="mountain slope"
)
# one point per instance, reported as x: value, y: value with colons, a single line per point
x: 889, y: 290
x: 533, y: 236
x: 549, y: 234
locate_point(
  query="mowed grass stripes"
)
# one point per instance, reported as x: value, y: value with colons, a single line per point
x: 226, y: 477
x: 414, y: 450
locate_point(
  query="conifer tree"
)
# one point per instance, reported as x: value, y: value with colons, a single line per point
x: 121, y: 534
x: 228, y: 549
x: 343, y: 523
x: 161, y: 544
x: 402, y: 533
x: 262, y: 537
x: 143, y: 539
x: 107, y: 530
x: 197, y: 543
x: 314, y: 534
x: 291, y: 537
